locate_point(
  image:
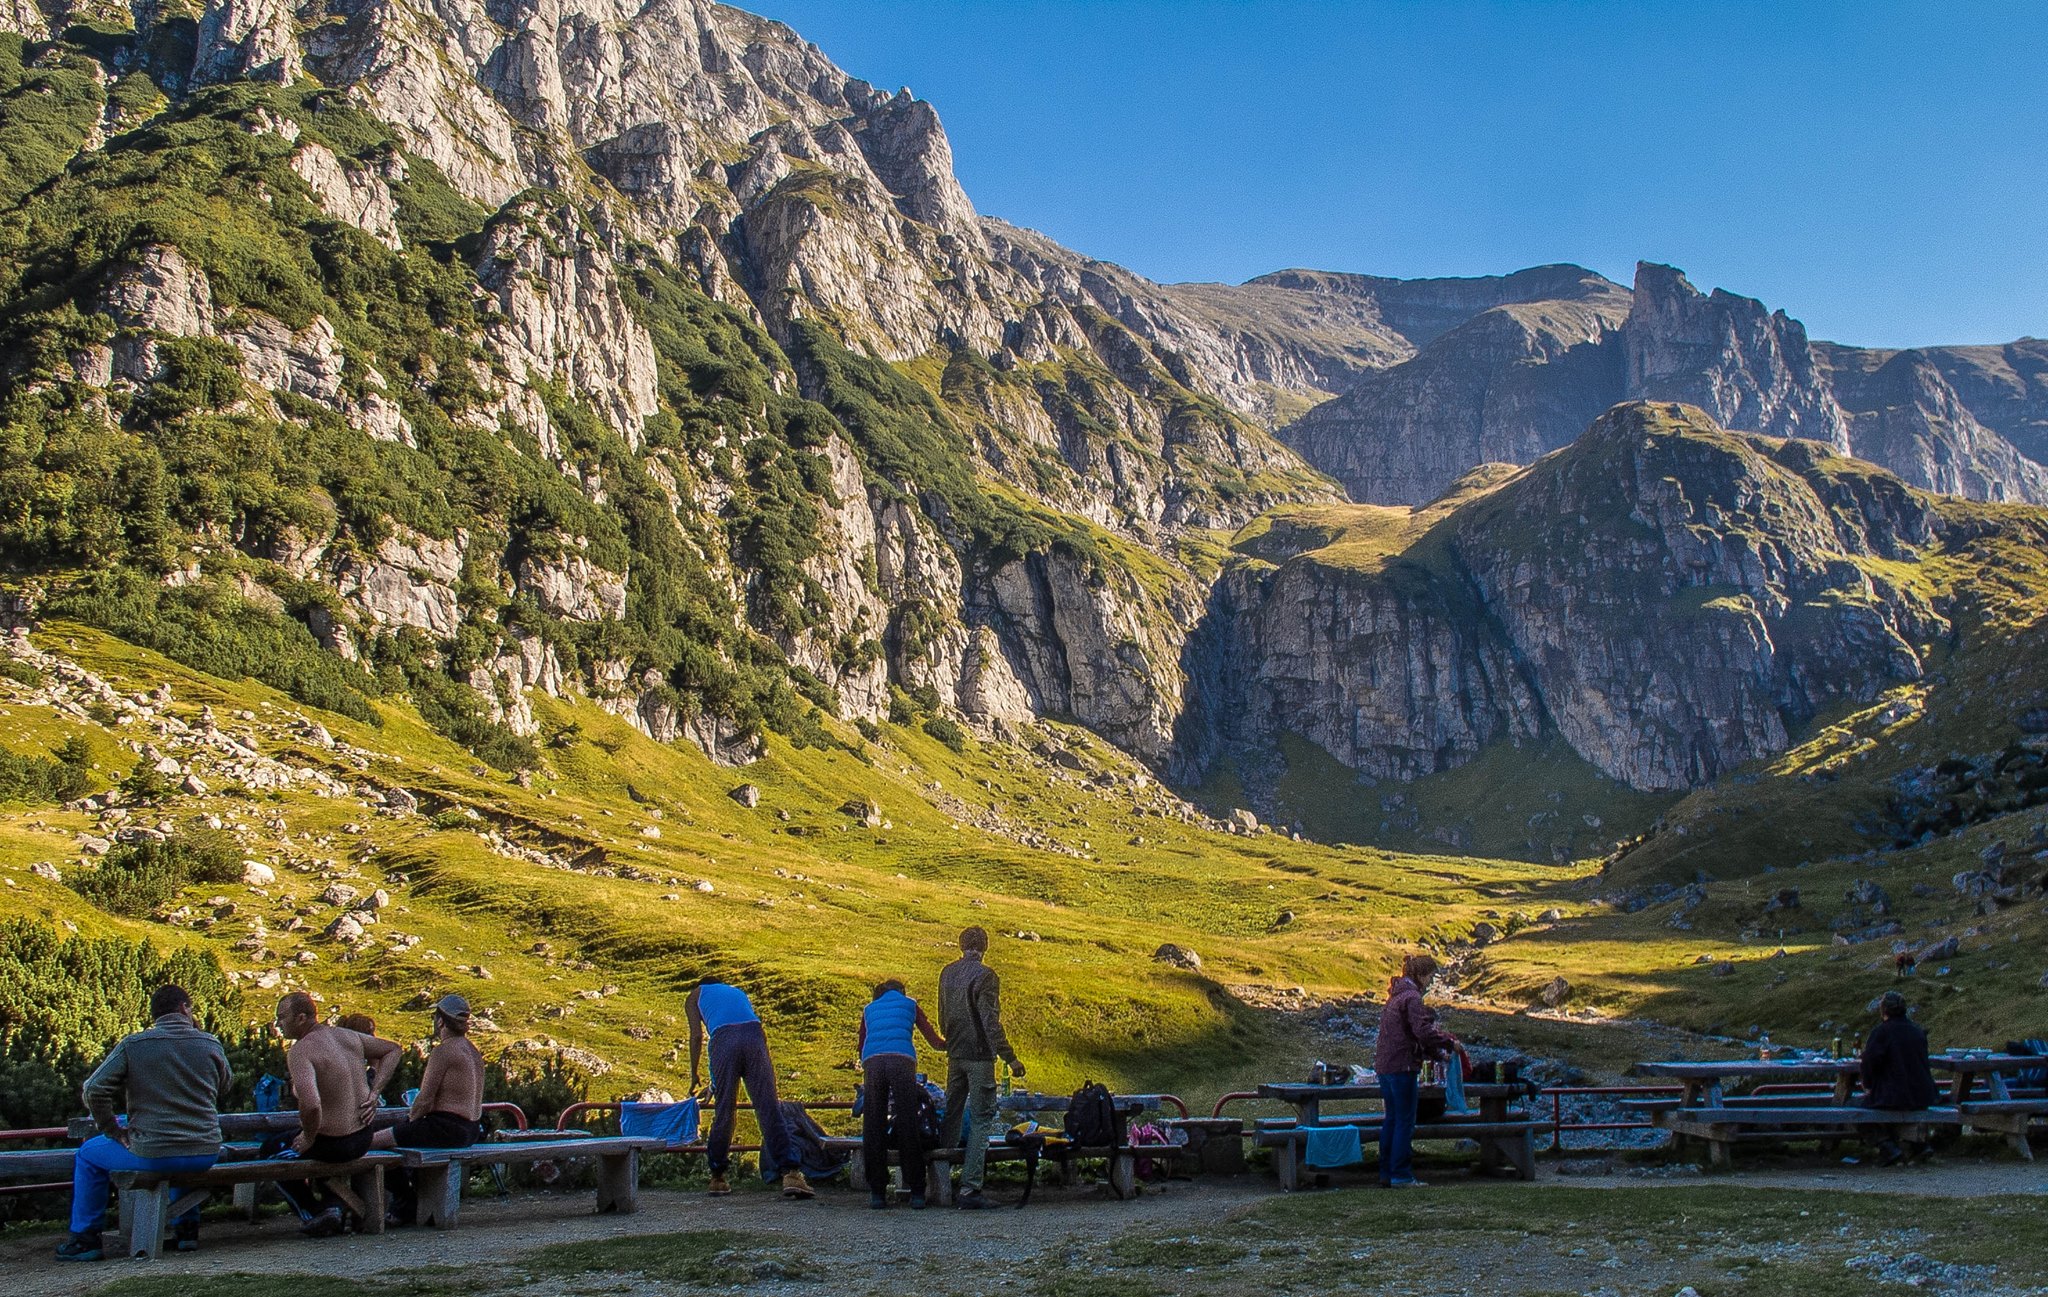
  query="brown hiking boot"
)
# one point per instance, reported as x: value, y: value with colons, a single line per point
x: 719, y: 1187
x: 795, y: 1186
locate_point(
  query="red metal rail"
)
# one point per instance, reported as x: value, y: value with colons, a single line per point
x: 512, y: 1112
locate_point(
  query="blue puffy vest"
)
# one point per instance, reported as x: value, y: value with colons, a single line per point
x: 891, y: 1017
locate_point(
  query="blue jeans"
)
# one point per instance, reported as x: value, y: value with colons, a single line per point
x: 92, y: 1172
x: 1399, y: 1096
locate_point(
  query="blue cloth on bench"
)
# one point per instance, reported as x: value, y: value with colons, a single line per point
x: 1454, y: 1084
x: 674, y: 1122
x: 1333, y: 1146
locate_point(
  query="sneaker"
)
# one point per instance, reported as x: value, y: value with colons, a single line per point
x: 720, y: 1187
x: 795, y: 1186
x: 185, y: 1236
x: 79, y: 1247
x: 1409, y: 1184
x: 1890, y: 1154
x: 327, y: 1224
x: 970, y: 1201
x: 878, y: 1201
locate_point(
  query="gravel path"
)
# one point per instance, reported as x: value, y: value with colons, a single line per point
x: 898, y: 1250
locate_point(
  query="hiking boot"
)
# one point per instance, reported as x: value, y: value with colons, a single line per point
x: 79, y: 1247
x: 970, y: 1200
x: 185, y: 1236
x: 795, y: 1186
x: 720, y: 1187
x: 878, y: 1201
x: 1924, y: 1154
x: 328, y: 1224
x: 1889, y: 1153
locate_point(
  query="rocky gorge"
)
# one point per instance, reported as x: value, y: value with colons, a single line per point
x: 639, y: 352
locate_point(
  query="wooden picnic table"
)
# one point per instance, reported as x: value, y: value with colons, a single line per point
x: 247, y: 1125
x: 1992, y: 1067
x: 1127, y: 1105
x: 1494, y: 1098
x: 1703, y: 1080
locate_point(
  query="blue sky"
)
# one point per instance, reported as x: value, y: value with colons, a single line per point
x: 1874, y: 169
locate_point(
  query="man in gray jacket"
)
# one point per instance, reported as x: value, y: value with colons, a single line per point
x: 971, y: 1020
x: 170, y: 1078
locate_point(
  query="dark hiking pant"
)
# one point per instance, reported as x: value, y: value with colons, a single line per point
x: 739, y: 1055
x: 894, y: 1116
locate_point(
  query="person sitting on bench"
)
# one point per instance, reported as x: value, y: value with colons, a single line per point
x: 448, y: 1110
x: 171, y: 1078
x: 1896, y: 1077
x: 337, y: 1104
x: 739, y: 1055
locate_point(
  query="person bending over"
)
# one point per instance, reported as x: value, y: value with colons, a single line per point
x: 739, y: 1056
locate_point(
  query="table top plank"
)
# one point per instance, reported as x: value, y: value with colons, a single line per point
x: 1303, y: 1092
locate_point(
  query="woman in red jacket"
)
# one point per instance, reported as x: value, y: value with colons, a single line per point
x: 1408, y: 1034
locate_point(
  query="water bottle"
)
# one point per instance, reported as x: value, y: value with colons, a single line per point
x: 1008, y: 1084
x: 1835, y: 1048
x: 1763, y: 1047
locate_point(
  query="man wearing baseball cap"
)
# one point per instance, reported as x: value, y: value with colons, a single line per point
x: 448, y: 1110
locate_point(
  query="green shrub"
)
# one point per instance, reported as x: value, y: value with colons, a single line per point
x: 135, y: 879
x: 947, y: 731
x: 61, y: 777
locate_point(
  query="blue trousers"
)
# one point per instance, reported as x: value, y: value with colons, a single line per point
x: 92, y: 1172
x: 739, y: 1056
x: 1399, y: 1096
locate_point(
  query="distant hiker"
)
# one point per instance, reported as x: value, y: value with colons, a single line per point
x: 894, y: 1099
x: 447, y: 1111
x: 1408, y: 1034
x: 1904, y: 963
x: 170, y: 1077
x: 971, y: 1016
x: 336, y: 1075
x: 739, y: 1055
x: 1896, y: 1077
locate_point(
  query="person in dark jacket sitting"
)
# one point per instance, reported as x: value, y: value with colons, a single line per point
x: 895, y: 1099
x: 1408, y: 1034
x: 1896, y: 1077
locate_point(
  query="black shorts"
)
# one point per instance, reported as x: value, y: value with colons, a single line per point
x: 339, y: 1148
x: 437, y: 1130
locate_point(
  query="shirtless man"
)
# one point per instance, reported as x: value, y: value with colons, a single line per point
x: 448, y: 1110
x: 336, y: 1075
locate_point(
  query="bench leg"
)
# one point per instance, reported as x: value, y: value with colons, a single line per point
x: 440, y: 1193
x: 1489, y: 1155
x: 1522, y: 1152
x: 1285, y: 1165
x: 245, y: 1199
x: 618, y: 1183
x: 1123, y: 1174
x: 938, y: 1181
x: 364, y: 1195
x: 143, y: 1212
x: 1718, y: 1153
x: 857, y: 1169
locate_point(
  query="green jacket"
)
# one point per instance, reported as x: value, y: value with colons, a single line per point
x: 172, y: 1077
x: 971, y: 1012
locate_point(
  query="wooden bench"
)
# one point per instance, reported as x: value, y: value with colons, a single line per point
x: 37, y: 1164
x: 151, y: 1198
x: 1122, y: 1162
x: 441, y: 1171
x: 1503, y: 1145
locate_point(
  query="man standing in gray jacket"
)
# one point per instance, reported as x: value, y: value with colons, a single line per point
x: 171, y: 1078
x: 971, y: 1020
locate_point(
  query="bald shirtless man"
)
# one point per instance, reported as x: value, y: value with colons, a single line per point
x: 337, y: 1075
x: 449, y: 1108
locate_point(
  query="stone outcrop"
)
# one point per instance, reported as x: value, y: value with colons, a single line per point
x: 353, y: 193
x: 1648, y: 595
x: 252, y: 40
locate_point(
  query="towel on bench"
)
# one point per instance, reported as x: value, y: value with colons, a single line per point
x: 674, y: 1122
x: 1334, y: 1146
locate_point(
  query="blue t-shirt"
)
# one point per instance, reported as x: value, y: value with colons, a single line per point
x: 723, y: 1006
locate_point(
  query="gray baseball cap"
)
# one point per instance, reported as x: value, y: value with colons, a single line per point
x: 452, y: 1006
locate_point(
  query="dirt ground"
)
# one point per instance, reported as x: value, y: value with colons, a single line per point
x: 858, y: 1250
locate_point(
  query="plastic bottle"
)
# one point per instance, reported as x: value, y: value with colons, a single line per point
x: 1835, y: 1047
x: 1763, y: 1047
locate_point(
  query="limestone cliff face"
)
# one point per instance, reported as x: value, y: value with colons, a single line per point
x: 1670, y: 599
x: 1517, y: 381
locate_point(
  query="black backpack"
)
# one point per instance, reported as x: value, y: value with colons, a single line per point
x: 1092, y: 1118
